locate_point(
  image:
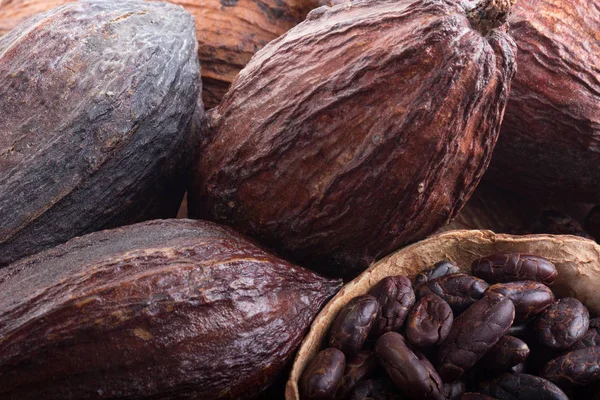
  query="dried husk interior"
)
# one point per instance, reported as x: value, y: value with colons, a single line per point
x: 577, y: 261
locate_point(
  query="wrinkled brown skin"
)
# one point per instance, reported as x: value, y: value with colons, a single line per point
x: 522, y: 387
x: 322, y: 377
x: 365, y: 127
x: 507, y: 353
x: 429, y: 321
x: 550, y: 140
x: 359, y: 368
x: 460, y: 291
x: 529, y: 297
x: 396, y: 297
x: 353, y: 324
x: 167, y: 309
x: 473, y: 333
x: 591, y: 338
x: 562, y: 324
x: 96, y: 100
x: 376, y: 389
x: 410, y: 371
x: 440, y: 269
x: 229, y: 31
x: 510, y: 267
x: 574, y: 369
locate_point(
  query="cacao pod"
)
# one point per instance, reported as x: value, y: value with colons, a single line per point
x: 229, y: 31
x: 365, y: 127
x: 167, y: 309
x: 577, y: 261
x: 96, y: 99
x: 549, y: 145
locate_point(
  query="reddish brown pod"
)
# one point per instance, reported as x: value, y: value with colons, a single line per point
x: 549, y: 145
x: 363, y: 128
x: 164, y: 309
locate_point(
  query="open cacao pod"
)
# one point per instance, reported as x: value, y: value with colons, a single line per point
x: 363, y: 128
x: 576, y: 259
x: 550, y: 140
x: 167, y: 309
x: 229, y: 31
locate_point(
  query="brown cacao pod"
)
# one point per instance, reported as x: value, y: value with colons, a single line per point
x: 363, y: 128
x: 229, y: 31
x: 576, y: 259
x: 550, y: 140
x: 167, y: 309
x: 96, y: 99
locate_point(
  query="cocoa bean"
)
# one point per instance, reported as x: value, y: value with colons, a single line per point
x: 563, y: 323
x: 439, y: 269
x: 507, y: 353
x: 454, y: 390
x: 358, y: 368
x: 352, y: 325
x: 429, y: 321
x: 510, y: 267
x: 591, y: 338
x: 396, y: 297
x: 522, y: 387
x: 529, y: 297
x: 375, y: 389
x: 460, y: 291
x: 575, y: 368
x: 322, y: 377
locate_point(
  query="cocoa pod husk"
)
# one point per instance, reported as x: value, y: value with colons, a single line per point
x: 87, y: 141
x: 338, y: 142
x: 549, y: 142
x: 576, y: 259
x: 166, y: 309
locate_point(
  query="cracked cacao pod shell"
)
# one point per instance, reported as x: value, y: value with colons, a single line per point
x: 576, y: 259
x: 96, y: 104
x: 365, y: 127
x: 229, y: 31
x: 550, y: 140
x: 166, y: 309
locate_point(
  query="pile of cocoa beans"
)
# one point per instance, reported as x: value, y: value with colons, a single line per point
x: 496, y: 334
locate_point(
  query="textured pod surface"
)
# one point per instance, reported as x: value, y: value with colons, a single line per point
x: 459, y: 290
x: 508, y: 352
x: 410, y: 371
x: 439, y: 269
x: 96, y: 99
x: 562, y: 324
x: 323, y: 375
x: 550, y: 140
x: 164, y: 309
x: 510, y: 267
x: 429, y: 321
x: 352, y: 326
x: 576, y: 368
x: 522, y: 387
x: 363, y: 128
x: 396, y: 297
x: 529, y: 297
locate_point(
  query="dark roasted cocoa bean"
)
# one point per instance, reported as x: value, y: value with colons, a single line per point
x: 96, y: 103
x: 476, y: 396
x: 429, y: 321
x: 473, y: 333
x: 575, y: 368
x: 511, y: 267
x: 376, y: 389
x: 323, y: 375
x: 518, y: 369
x: 359, y: 368
x: 410, y: 371
x: 454, y: 390
x: 163, y: 309
x: 439, y: 269
x: 563, y: 323
x: 351, y: 327
x: 396, y: 297
x: 459, y: 290
x: 529, y: 297
x: 519, y: 330
x: 522, y: 387
x: 591, y: 338
x: 508, y: 352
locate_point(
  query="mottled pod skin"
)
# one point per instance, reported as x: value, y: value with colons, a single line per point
x: 591, y: 338
x: 529, y: 297
x: 522, y: 387
x: 365, y: 127
x: 396, y: 297
x: 576, y: 368
x: 460, y: 291
x: 510, y: 267
x: 562, y: 324
x: 322, y: 377
x: 550, y: 140
x: 507, y: 353
x: 358, y: 368
x: 96, y: 99
x: 429, y: 321
x: 440, y: 268
x: 473, y: 333
x: 410, y: 371
x: 167, y: 309
x: 353, y: 324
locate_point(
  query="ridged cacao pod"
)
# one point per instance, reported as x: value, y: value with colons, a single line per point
x: 550, y: 140
x: 167, y: 309
x: 229, y: 31
x: 363, y: 128
x: 96, y: 100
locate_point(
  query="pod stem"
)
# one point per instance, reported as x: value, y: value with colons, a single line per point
x: 486, y: 15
